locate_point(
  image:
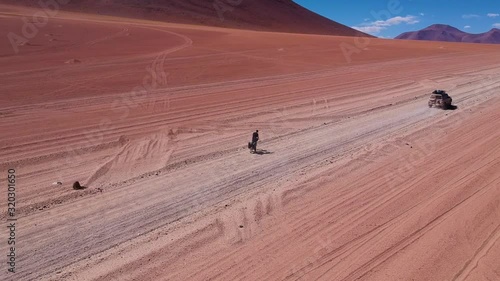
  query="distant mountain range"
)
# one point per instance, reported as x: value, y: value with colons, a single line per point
x: 441, y: 32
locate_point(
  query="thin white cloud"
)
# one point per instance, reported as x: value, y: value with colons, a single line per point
x: 398, y: 20
x: 496, y: 25
x: 377, y: 26
x: 422, y: 14
x: 467, y: 26
x: 369, y: 29
x: 471, y: 16
x: 492, y: 15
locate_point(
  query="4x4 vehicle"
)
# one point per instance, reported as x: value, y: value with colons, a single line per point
x: 440, y: 99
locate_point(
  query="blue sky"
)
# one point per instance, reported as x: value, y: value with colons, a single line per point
x: 389, y: 18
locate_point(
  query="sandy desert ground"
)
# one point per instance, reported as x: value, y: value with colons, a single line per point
x: 356, y: 178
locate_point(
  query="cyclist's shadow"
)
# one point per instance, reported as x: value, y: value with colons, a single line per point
x: 262, y: 152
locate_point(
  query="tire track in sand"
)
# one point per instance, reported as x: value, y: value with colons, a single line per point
x: 471, y: 265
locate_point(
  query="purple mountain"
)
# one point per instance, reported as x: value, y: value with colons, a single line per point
x: 441, y: 32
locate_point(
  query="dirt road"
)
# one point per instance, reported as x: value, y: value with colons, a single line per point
x: 356, y: 178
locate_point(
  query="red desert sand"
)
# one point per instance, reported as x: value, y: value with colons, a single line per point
x: 355, y: 179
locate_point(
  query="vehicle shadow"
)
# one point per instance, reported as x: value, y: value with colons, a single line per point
x: 452, y: 107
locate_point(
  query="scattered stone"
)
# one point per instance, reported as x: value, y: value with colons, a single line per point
x: 123, y: 140
x: 241, y: 226
x: 78, y: 186
x: 73, y: 61
x: 57, y: 183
